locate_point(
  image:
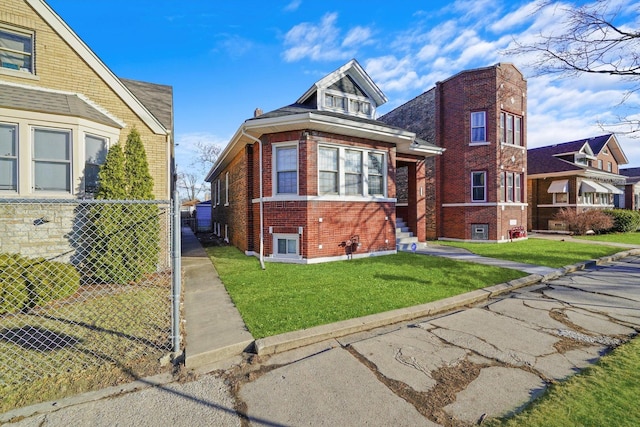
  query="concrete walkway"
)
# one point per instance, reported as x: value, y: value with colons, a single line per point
x: 214, y: 329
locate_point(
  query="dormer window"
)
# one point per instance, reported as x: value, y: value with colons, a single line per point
x: 334, y: 102
x: 16, y: 50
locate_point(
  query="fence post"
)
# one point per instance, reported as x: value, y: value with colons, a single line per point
x: 177, y: 276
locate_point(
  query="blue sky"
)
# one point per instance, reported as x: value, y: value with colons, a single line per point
x: 226, y: 58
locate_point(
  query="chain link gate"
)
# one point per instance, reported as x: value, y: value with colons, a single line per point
x: 84, y: 285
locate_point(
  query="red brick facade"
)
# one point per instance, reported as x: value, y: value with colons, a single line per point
x: 322, y: 225
x: 493, y: 90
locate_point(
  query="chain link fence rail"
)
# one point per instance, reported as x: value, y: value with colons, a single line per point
x: 84, y: 285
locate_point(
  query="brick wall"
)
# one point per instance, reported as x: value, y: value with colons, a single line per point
x: 59, y: 67
x: 492, y: 90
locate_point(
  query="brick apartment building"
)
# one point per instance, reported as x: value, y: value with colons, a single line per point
x: 316, y: 180
x: 477, y: 189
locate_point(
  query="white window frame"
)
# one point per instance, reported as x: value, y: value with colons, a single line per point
x: 517, y: 187
x: 364, y: 153
x: 288, y: 237
x: 482, y: 114
x: 335, y: 172
x: 560, y: 202
x: 274, y: 156
x: 218, y: 194
x: 510, y: 129
x: 86, y: 162
x: 382, y: 175
x: 226, y: 189
x: 19, y: 71
x: 14, y: 157
x: 609, y: 167
x: 484, y: 186
x: 69, y: 161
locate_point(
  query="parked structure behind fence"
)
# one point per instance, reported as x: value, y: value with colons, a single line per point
x: 83, y: 284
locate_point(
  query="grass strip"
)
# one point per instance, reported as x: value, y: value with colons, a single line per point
x: 288, y: 297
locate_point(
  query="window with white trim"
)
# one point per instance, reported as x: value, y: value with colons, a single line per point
x: 226, y: 189
x: 502, y: 188
x: 95, y: 156
x: 510, y: 129
x: 609, y: 167
x: 375, y: 175
x: 286, y: 169
x: 51, y: 160
x: 353, y: 172
x: 478, y: 126
x: 218, y: 195
x: 517, y: 187
x: 478, y: 186
x: 328, y: 170
x: 286, y: 245
x: 349, y: 171
x: 16, y: 50
x: 8, y: 157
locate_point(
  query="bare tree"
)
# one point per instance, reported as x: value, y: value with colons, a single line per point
x: 190, y: 184
x: 206, y: 156
x: 593, y: 39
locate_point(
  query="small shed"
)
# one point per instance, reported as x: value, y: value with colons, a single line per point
x: 203, y: 217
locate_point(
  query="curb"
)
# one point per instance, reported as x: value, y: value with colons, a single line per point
x: 295, y: 339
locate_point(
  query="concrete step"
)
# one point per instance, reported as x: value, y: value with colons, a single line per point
x: 401, y: 229
x: 408, y: 239
x: 403, y: 234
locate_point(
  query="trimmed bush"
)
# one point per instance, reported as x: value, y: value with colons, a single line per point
x: 624, y: 220
x: 26, y: 283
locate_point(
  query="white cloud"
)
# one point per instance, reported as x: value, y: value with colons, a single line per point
x: 293, y: 6
x: 357, y: 36
x: 321, y: 41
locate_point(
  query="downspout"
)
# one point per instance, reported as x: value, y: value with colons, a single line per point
x: 261, y: 201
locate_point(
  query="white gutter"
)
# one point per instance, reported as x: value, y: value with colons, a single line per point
x: 261, y: 197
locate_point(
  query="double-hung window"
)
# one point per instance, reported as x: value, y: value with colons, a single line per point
x: 16, y: 50
x: 375, y: 174
x: 510, y: 129
x: 95, y: 155
x: 517, y: 187
x: 478, y: 127
x: 8, y: 157
x: 353, y: 172
x: 286, y: 170
x: 51, y: 160
x: 328, y: 170
x: 509, y: 187
x: 478, y: 186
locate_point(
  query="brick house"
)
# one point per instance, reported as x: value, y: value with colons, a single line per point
x: 581, y: 175
x: 476, y: 189
x: 61, y: 108
x: 632, y: 188
x: 315, y: 181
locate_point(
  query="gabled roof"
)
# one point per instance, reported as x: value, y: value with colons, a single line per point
x: 353, y: 72
x: 546, y: 159
x: 72, y: 39
x: 157, y: 98
x: 305, y: 116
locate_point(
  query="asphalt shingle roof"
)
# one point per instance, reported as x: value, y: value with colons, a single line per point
x: 28, y: 99
x: 158, y: 99
x: 543, y: 160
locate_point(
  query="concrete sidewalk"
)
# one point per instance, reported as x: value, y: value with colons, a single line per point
x: 214, y: 329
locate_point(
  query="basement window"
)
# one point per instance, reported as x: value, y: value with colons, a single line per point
x: 285, y: 245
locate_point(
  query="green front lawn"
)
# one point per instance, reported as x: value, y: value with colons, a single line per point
x: 289, y: 297
x: 550, y: 253
x: 605, y: 394
x: 627, y: 238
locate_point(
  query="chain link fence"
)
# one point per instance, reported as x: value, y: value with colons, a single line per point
x: 85, y: 286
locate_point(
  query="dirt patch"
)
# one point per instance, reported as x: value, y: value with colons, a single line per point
x: 450, y: 381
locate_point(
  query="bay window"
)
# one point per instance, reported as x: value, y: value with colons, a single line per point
x: 510, y: 129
